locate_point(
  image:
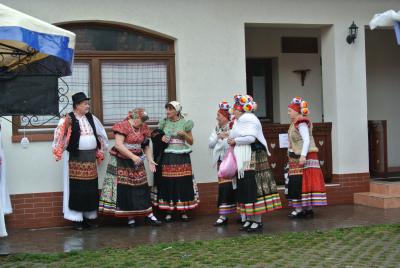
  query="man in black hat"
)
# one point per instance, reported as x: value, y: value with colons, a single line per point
x: 84, y: 143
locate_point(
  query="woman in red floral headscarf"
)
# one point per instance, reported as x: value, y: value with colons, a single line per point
x: 125, y: 190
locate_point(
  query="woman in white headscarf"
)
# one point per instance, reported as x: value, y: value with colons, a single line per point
x: 256, y: 188
x: 176, y: 189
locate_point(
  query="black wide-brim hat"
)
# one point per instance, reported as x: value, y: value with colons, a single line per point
x: 79, y: 97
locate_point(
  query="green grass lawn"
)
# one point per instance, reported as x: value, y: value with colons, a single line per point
x: 374, y: 246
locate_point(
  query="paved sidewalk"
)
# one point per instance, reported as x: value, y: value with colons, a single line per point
x: 200, y: 228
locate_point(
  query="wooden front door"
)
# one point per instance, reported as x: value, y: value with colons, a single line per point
x: 259, y: 85
x: 377, y: 148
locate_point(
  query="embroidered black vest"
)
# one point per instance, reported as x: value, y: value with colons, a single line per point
x: 73, y: 144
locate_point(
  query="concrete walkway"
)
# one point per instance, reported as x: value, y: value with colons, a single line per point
x: 120, y: 236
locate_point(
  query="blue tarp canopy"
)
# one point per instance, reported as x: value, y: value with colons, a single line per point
x: 25, y: 40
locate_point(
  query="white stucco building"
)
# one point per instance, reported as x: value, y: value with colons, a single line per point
x: 347, y: 85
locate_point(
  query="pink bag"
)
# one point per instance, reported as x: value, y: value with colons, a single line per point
x: 228, y: 167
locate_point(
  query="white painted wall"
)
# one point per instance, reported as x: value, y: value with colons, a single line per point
x: 345, y: 98
x: 210, y: 65
x: 264, y: 42
x: 383, y: 84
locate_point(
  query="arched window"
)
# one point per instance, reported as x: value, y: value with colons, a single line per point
x: 120, y: 68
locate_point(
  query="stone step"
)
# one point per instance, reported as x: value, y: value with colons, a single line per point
x: 377, y: 200
x: 382, y: 187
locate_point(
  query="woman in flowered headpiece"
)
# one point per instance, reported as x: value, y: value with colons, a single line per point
x: 256, y: 188
x: 125, y: 191
x: 306, y: 187
x: 218, y: 142
x: 176, y: 189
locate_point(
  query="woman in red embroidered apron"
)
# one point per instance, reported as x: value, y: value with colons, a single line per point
x: 306, y: 187
x: 125, y: 191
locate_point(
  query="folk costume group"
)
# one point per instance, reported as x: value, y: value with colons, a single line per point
x: 250, y: 190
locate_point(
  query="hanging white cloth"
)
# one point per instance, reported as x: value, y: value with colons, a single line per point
x: 5, y: 202
x: 387, y: 19
x: 247, y: 125
x: 218, y: 146
x: 384, y: 19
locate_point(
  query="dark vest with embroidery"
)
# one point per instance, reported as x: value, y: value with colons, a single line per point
x: 73, y: 144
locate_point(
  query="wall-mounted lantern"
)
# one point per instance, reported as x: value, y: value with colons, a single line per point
x: 353, y: 30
